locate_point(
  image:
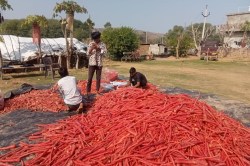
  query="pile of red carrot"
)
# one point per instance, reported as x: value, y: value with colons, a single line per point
x: 109, y: 75
x: 41, y: 100
x: 82, y: 85
x: 138, y: 127
x: 36, y: 100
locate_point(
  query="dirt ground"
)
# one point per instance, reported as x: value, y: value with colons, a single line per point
x: 16, y: 126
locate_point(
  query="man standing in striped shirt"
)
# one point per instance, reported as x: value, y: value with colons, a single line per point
x: 96, y: 51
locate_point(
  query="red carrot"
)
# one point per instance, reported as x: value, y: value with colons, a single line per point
x: 139, y: 127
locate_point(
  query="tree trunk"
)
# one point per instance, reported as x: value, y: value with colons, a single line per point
x: 12, y: 46
x: 1, y: 65
x: 194, y: 37
x: 63, y: 28
x: 69, y: 26
x: 19, y: 49
x: 59, y: 60
x: 179, y: 39
x: 67, y: 50
x: 40, y: 55
x: 177, y: 52
x: 198, y: 47
x: 177, y: 49
x: 77, y: 61
x: 199, y: 51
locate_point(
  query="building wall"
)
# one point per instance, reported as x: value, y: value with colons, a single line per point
x: 144, y: 49
x: 162, y: 49
x: 232, y: 42
x: 238, y: 18
x: 154, y: 49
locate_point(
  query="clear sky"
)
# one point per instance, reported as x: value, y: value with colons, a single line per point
x: 148, y: 15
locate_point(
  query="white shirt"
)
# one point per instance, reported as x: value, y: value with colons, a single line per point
x: 68, y: 88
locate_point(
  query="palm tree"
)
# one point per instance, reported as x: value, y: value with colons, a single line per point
x: 37, y: 22
x: 70, y: 8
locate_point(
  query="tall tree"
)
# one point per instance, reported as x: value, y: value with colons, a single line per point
x: 70, y: 8
x: 53, y: 30
x: 86, y: 31
x: 37, y: 22
x: 4, y: 5
x: 107, y: 25
x: 87, y: 27
x: 179, y: 39
x: 90, y: 23
x: 195, y: 30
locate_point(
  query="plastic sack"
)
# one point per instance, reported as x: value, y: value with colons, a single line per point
x: 119, y: 83
x: 109, y: 75
x: 107, y: 87
x: 1, y: 100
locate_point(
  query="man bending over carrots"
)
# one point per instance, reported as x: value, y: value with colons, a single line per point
x: 137, y: 79
x: 67, y: 86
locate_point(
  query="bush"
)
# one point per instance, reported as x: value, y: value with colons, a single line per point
x: 119, y: 40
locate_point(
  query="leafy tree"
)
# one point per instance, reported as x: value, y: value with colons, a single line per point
x: 78, y: 30
x: 86, y: 31
x: 36, y: 21
x: 178, y: 39
x: 41, y: 21
x: 90, y: 24
x: 53, y: 30
x: 23, y: 30
x: 4, y: 5
x: 119, y: 40
x: 87, y: 27
x: 70, y: 8
x: 107, y: 25
x: 195, y: 30
x: 14, y: 27
x: 246, y: 28
x: 79, y: 33
x: 78, y: 23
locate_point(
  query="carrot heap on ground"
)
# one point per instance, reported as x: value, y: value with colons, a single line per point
x: 132, y: 127
x: 41, y: 100
x: 82, y: 84
x: 36, y: 100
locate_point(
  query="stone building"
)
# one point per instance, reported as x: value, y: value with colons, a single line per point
x: 155, y: 49
x: 235, y: 37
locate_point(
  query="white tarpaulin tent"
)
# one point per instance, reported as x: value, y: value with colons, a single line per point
x: 23, y: 48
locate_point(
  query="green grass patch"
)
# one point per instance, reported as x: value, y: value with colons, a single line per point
x: 228, y: 79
